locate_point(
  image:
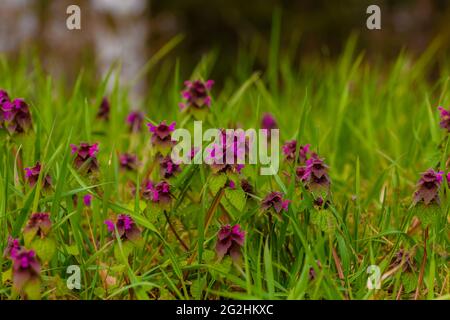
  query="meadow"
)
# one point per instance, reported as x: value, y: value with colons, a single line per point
x: 85, y: 181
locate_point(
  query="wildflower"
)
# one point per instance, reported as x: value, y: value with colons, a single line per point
x: 290, y: 148
x: 275, y: 200
x: 32, y: 175
x: 230, y: 146
x: 168, y: 167
x: 12, y: 248
x: 3, y: 99
x: 316, y: 173
x: 445, y: 118
x: 87, y: 200
x: 229, y: 242
x: 268, y: 123
x: 26, y: 268
x: 16, y: 116
x: 86, y: 156
x: 135, y: 120
x: 196, y: 94
x: 161, y: 135
x: 232, y: 185
x: 103, y: 110
x: 247, y: 187
x: 128, y: 161
x: 126, y: 227
x: 39, y: 225
x: 404, y: 257
x: 159, y: 193
x: 312, y: 273
x: 428, y: 187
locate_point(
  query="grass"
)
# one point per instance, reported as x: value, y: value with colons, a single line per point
x: 375, y: 123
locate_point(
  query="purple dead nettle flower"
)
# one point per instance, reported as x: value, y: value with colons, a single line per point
x: 229, y: 242
x: 32, y: 175
x: 135, y: 120
x: 290, y: 148
x: 231, y: 146
x: 428, y: 187
x: 3, y: 99
x: 86, y: 156
x: 26, y: 268
x: 247, y: 187
x: 126, y: 227
x: 316, y: 173
x: 17, y: 117
x: 12, y: 248
x: 196, y: 94
x: 128, y: 161
x: 168, y: 167
x: 268, y: 123
x: 103, y: 110
x: 161, y: 134
x: 232, y: 185
x: 445, y: 118
x: 39, y: 224
x: 87, y: 200
x: 275, y: 200
x: 159, y: 193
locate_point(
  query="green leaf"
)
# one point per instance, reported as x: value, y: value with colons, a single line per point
x: 45, y: 248
x: 236, y: 197
x: 216, y: 182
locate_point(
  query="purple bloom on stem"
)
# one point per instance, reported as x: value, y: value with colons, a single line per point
x: 428, y: 187
x: 32, y: 175
x: 290, y: 148
x: 86, y: 156
x: 196, y: 94
x: 12, y: 248
x: 275, y: 200
x: 232, y: 185
x: 316, y: 173
x: 126, y: 227
x: 445, y: 118
x: 229, y: 242
x: 225, y: 156
x: 39, y: 224
x: 168, y: 167
x: 159, y: 193
x: 161, y: 134
x: 135, y: 120
x: 268, y: 123
x: 16, y: 116
x: 246, y: 186
x: 3, y: 99
x: 103, y: 110
x: 128, y: 161
x: 87, y: 200
x: 26, y: 268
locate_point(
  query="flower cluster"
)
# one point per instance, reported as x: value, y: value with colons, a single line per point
x: 14, y: 114
x: 290, y: 148
x: 86, y: 156
x: 168, y: 168
x: 135, y: 120
x: 196, y: 94
x: 161, y: 136
x: 126, y: 227
x: 428, y: 188
x: 26, y: 268
x: 128, y: 161
x: 159, y: 193
x: 445, y: 118
x: 39, y: 225
x: 32, y: 175
x: 226, y: 155
x: 268, y: 123
x: 229, y: 242
x: 275, y: 200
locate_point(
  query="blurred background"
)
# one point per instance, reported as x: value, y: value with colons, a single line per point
x: 132, y: 30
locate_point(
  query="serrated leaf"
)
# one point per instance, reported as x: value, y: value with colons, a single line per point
x: 216, y: 182
x: 236, y: 197
x: 45, y: 248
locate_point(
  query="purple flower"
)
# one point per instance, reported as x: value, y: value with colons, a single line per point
x: 316, y: 173
x: 126, y: 227
x: 232, y: 185
x: 168, y: 167
x: 16, y: 115
x: 445, y: 118
x: 12, y: 248
x: 428, y: 187
x: 86, y: 156
x: 224, y: 157
x: 312, y: 273
x: 32, y: 175
x: 26, y: 268
x: 128, y: 161
x: 448, y: 179
x: 247, y: 187
x: 196, y: 94
x: 289, y: 149
x: 159, y: 193
x: 87, y: 200
x: 3, y: 99
x: 229, y: 242
x: 268, y: 123
x: 135, y: 120
x: 103, y: 110
x: 39, y: 224
x: 275, y: 200
x: 161, y: 134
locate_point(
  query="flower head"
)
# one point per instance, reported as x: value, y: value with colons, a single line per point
x: 268, y: 123
x: 161, y: 134
x: 103, y: 110
x: 86, y: 156
x: 87, y: 200
x: 159, y: 193
x: 290, y: 148
x: 39, y: 224
x: 428, y: 187
x: 445, y: 118
x: 316, y: 173
x: 3, y: 99
x: 135, y: 120
x: 168, y: 167
x: 196, y: 94
x: 128, y: 161
x: 16, y: 115
x: 229, y: 242
x: 229, y: 154
x: 126, y: 227
x: 12, y: 248
x: 275, y: 200
x: 32, y: 175
x: 26, y: 268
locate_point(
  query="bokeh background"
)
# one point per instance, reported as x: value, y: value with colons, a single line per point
x: 132, y: 30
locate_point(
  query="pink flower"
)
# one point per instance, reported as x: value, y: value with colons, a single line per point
x: 87, y: 200
x: 275, y: 200
x: 229, y: 242
x: 196, y: 94
x: 126, y: 227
